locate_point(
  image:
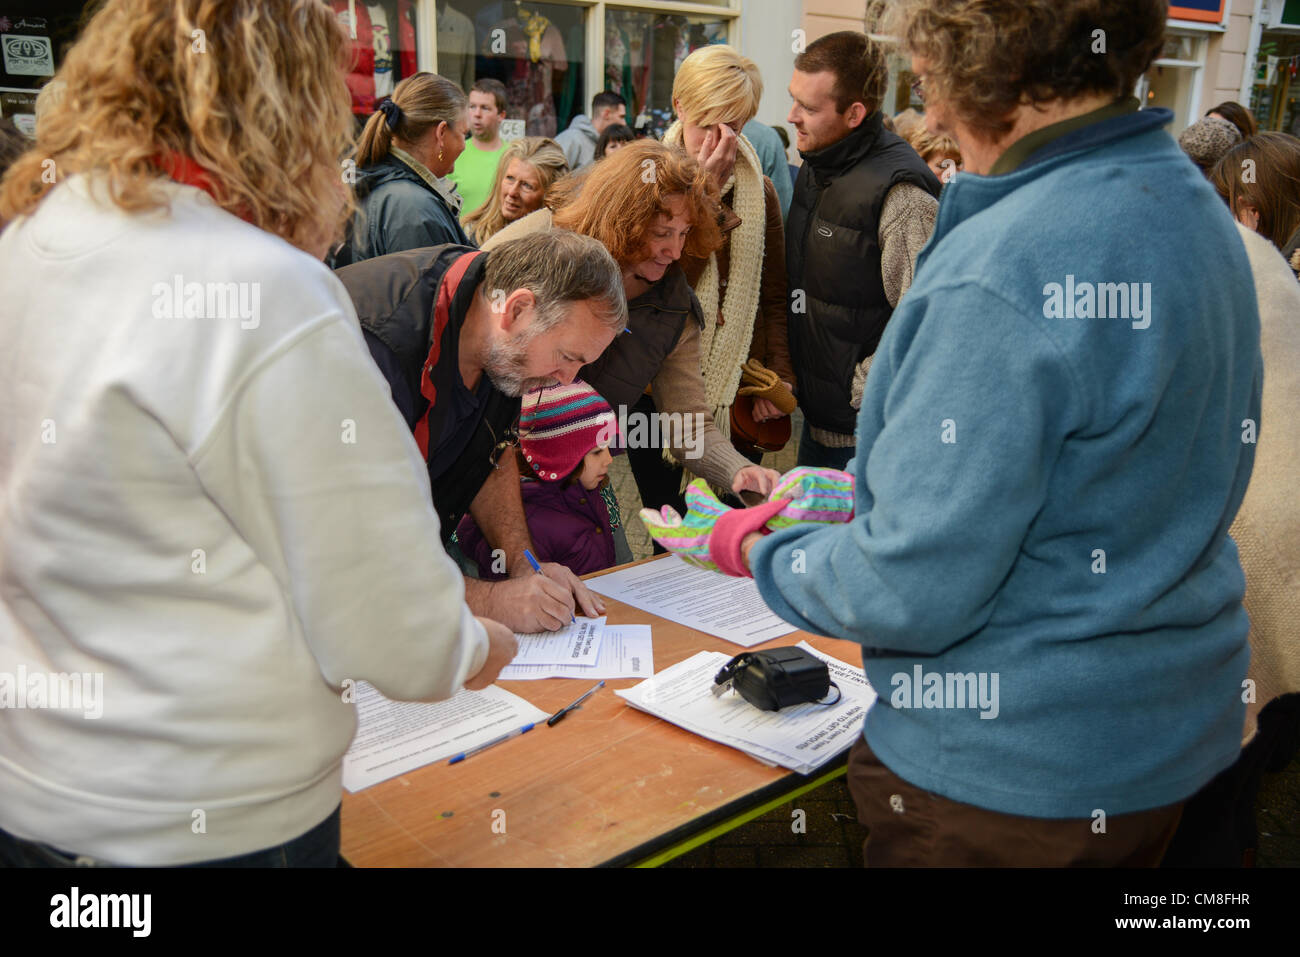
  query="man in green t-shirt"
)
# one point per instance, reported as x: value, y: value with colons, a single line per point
x: 476, y: 168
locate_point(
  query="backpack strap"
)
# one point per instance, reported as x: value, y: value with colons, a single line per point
x: 441, y: 315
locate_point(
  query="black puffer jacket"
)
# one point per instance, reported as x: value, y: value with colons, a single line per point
x: 837, y: 308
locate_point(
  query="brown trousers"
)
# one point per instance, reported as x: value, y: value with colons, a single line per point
x: 915, y: 828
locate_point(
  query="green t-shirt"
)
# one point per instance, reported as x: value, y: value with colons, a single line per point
x: 473, y: 175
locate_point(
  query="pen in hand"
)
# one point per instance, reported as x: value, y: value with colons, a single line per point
x: 538, y: 568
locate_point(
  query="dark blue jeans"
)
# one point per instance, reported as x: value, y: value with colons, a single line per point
x: 319, y: 847
x: 812, y: 454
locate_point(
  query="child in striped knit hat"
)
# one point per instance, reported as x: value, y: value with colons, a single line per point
x: 565, y: 434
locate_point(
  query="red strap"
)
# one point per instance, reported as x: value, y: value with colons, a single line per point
x: 441, y: 314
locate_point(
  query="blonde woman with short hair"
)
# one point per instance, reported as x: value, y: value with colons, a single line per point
x: 525, y: 174
x: 208, y: 493
x: 741, y: 287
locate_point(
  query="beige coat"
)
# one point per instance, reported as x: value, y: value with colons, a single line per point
x: 1267, y: 529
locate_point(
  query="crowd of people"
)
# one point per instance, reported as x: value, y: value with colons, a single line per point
x: 285, y: 408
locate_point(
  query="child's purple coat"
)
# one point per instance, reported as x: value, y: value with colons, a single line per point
x: 569, y: 526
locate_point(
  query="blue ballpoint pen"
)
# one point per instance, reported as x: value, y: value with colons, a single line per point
x: 483, y: 747
x: 538, y: 568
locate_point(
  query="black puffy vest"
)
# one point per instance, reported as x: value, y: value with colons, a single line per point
x: 394, y: 297
x: 837, y: 309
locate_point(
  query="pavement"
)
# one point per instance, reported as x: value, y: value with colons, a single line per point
x: 832, y: 836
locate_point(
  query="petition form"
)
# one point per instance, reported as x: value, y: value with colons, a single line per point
x: 394, y: 737
x: 730, y: 608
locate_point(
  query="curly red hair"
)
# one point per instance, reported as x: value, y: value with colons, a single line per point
x: 617, y: 200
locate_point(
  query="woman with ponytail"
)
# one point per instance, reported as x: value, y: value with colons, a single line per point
x: 407, y: 148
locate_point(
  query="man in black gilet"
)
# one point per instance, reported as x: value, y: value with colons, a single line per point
x: 864, y: 205
x: 460, y: 335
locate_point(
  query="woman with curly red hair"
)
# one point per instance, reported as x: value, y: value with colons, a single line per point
x: 648, y: 205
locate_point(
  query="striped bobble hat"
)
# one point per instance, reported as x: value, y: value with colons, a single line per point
x: 560, y: 424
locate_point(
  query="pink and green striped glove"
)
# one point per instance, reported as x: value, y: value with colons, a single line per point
x: 687, y: 538
x: 814, y: 495
x: 711, y: 534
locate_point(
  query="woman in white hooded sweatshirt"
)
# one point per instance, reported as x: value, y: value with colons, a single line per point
x: 214, y: 520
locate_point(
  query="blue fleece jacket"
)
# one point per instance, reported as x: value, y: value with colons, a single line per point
x: 1043, y: 494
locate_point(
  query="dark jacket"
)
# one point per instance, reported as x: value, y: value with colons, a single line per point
x: 399, y: 211
x: 394, y: 297
x: 656, y: 319
x: 837, y: 308
x: 568, y: 524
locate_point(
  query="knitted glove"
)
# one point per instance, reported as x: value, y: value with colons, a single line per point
x: 711, y: 534
x: 813, y: 495
x: 859, y: 382
x: 688, y: 537
x: 762, y: 383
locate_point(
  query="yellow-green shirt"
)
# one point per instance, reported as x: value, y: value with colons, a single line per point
x: 473, y: 175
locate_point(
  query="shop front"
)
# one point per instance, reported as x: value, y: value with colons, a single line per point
x: 1275, y: 89
x: 553, y: 57
x: 34, y: 36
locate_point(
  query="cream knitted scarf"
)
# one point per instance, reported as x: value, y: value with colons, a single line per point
x: 723, y: 351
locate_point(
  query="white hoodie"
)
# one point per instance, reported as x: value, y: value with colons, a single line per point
x: 226, y: 518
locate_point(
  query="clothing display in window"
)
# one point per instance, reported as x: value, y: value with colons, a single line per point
x: 456, y: 45
x: 643, y: 52
x: 383, y: 50
x: 534, y: 55
x: 361, y: 28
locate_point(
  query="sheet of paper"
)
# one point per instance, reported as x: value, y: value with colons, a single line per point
x: 800, y: 738
x: 716, y: 604
x: 625, y: 652
x: 576, y: 644
x: 394, y: 737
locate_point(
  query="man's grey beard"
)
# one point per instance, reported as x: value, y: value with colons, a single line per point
x: 505, y: 367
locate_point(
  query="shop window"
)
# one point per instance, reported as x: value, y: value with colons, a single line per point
x: 1275, y: 95
x: 34, y: 37
x: 382, y: 33
x: 642, y: 53
x: 535, y: 49
x: 1171, y: 82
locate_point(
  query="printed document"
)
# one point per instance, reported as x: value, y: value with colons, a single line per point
x: 575, y: 644
x: 717, y: 604
x: 394, y: 737
x: 801, y: 738
x: 625, y: 652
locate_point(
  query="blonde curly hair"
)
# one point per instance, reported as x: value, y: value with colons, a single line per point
x: 541, y: 153
x: 253, y: 91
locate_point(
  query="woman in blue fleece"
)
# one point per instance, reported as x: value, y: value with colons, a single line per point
x: 1056, y: 433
